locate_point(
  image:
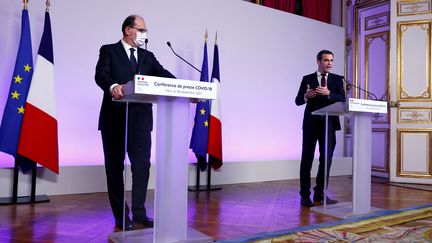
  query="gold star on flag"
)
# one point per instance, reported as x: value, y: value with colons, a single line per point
x: 202, y: 111
x: 206, y: 123
x: 17, y: 79
x: 21, y: 110
x: 15, y: 95
x: 27, y: 68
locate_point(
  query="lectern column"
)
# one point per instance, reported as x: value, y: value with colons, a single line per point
x: 171, y: 169
x: 362, y: 162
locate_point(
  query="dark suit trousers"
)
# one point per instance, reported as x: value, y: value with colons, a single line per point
x: 310, y: 137
x: 139, y: 145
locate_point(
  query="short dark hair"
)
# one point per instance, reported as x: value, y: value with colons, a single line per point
x: 128, y: 22
x: 322, y: 52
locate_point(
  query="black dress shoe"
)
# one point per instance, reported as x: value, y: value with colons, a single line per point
x: 306, y: 202
x: 328, y: 200
x: 128, y: 224
x: 147, y: 222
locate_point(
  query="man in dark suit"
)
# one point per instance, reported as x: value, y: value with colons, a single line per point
x: 117, y: 64
x: 318, y: 90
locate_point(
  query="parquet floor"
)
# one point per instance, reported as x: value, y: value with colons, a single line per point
x: 237, y: 210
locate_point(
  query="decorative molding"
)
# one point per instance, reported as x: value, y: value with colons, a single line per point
x: 348, y: 45
x: 414, y: 115
x: 386, y: 168
x: 424, y: 95
x: 368, y: 2
x: 348, y: 126
x: 369, y: 39
x: 400, y: 171
x: 413, y: 7
x: 406, y: 48
x: 377, y: 20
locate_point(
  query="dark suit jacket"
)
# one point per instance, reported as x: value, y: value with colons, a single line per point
x: 337, y: 93
x: 114, y: 67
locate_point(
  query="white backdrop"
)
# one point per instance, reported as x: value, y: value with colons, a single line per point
x: 263, y: 55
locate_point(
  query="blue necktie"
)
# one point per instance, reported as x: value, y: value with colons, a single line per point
x: 133, y: 60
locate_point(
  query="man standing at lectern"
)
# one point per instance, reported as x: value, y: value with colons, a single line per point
x: 318, y: 90
x: 117, y: 64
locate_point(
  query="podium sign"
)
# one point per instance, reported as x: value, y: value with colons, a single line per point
x: 372, y: 106
x: 149, y: 88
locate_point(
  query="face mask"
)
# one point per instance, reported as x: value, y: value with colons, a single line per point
x: 140, y: 38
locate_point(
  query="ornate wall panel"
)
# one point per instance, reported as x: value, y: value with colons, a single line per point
x: 414, y: 61
x: 376, y: 21
x: 377, y: 68
x: 414, y: 115
x: 380, y: 153
x: 413, y: 7
x: 414, y: 158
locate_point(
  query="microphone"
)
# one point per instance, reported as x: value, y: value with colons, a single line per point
x: 349, y: 85
x: 169, y: 44
x: 145, y: 43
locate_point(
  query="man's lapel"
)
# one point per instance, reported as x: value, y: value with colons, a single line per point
x: 124, y: 59
x: 141, y: 56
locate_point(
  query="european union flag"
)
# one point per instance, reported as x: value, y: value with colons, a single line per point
x: 15, y: 106
x: 199, y: 139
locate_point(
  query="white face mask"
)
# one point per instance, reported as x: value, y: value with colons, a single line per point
x: 140, y: 38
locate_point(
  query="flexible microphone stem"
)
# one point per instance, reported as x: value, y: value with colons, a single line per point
x: 169, y: 44
x: 349, y: 85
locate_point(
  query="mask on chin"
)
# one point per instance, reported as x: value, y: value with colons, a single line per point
x: 140, y: 39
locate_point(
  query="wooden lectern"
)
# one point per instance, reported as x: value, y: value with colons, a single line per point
x: 172, y: 97
x: 361, y: 172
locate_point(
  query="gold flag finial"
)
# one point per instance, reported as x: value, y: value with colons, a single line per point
x: 216, y: 39
x: 25, y: 3
x: 205, y: 37
x: 47, y: 4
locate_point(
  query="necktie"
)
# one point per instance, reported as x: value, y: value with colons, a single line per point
x: 323, y: 80
x: 133, y: 60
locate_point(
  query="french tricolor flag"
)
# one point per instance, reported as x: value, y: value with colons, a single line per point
x: 214, y: 148
x: 38, y: 139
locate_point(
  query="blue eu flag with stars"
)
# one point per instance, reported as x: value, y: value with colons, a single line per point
x: 15, y: 105
x: 199, y: 139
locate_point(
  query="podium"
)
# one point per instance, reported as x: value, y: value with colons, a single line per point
x: 361, y: 171
x: 172, y: 97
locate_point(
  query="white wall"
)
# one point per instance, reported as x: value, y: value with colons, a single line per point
x: 263, y: 55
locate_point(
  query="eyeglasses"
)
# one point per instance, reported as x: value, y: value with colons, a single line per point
x: 140, y: 30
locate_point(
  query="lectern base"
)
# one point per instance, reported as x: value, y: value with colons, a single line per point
x: 24, y: 199
x: 341, y: 210
x: 146, y: 235
x: 204, y: 188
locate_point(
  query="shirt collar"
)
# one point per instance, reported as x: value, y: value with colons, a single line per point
x: 126, y: 46
x: 319, y: 74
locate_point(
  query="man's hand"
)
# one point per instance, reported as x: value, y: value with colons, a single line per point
x: 322, y: 90
x: 117, y: 92
x: 310, y: 93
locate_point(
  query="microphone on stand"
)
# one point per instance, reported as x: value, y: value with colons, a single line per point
x: 349, y: 85
x: 145, y: 43
x: 169, y: 44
